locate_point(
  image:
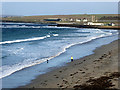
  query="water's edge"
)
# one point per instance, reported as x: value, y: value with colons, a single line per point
x: 55, y: 68
x: 63, y: 64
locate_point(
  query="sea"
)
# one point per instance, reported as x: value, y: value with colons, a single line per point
x: 27, y: 46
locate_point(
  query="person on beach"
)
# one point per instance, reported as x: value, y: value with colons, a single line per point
x: 71, y: 59
x: 47, y: 61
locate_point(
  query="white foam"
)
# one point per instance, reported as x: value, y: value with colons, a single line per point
x: 17, y: 26
x: 55, y: 34
x: 32, y: 26
x: 48, y: 36
x: 8, y: 70
x: 24, y: 40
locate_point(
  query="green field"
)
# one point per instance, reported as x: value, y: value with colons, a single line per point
x: 40, y: 19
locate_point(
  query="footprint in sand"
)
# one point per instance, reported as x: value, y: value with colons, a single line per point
x: 60, y: 71
x: 57, y: 77
x: 75, y: 72
x: 65, y: 81
x: 96, y: 60
x: 100, y: 58
x: 83, y: 72
x: 44, y: 84
x: 79, y: 69
x: 109, y: 53
x: 71, y: 74
x: 77, y: 81
x: 86, y: 68
x: 61, y: 86
x: 45, y: 81
x: 58, y: 84
x: 54, y: 75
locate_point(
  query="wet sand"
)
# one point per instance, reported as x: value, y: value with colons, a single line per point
x: 82, y: 72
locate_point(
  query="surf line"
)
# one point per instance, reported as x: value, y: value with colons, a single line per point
x: 49, y: 58
x: 24, y: 40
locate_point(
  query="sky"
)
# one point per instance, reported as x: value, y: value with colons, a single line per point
x: 58, y: 8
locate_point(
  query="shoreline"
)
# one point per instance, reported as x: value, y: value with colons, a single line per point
x: 48, y: 69
x: 75, y: 25
x: 87, y: 26
x: 80, y: 71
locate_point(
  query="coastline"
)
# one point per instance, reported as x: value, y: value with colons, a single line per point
x: 87, y: 26
x: 52, y: 68
x: 103, y: 62
x: 75, y: 25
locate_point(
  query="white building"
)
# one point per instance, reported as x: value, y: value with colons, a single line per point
x: 78, y: 20
x: 111, y: 24
x: 85, y: 20
x: 71, y: 19
x: 91, y: 23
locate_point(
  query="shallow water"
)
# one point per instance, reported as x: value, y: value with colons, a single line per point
x: 31, y: 46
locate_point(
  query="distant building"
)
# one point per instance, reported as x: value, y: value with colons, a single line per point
x: 111, y: 24
x: 93, y: 18
x: 85, y: 19
x: 63, y: 19
x: 71, y: 19
x: 52, y: 19
x: 78, y: 20
x: 91, y: 23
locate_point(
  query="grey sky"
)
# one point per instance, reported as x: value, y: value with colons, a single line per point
x: 58, y: 8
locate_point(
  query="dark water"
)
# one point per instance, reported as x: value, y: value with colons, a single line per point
x: 30, y: 45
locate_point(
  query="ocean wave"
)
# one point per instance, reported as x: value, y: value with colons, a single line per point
x: 8, y: 70
x: 55, y: 34
x: 32, y: 26
x: 22, y: 26
x: 24, y: 40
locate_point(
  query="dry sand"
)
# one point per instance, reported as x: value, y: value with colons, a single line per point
x: 103, y: 63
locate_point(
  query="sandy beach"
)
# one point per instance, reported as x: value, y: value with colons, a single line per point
x: 60, y: 45
x: 97, y: 71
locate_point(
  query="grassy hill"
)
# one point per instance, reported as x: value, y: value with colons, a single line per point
x: 40, y: 19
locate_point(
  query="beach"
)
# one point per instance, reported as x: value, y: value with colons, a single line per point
x: 29, y: 46
x: 60, y: 45
x: 86, y: 72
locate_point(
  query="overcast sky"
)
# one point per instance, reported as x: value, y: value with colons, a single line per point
x: 58, y: 8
